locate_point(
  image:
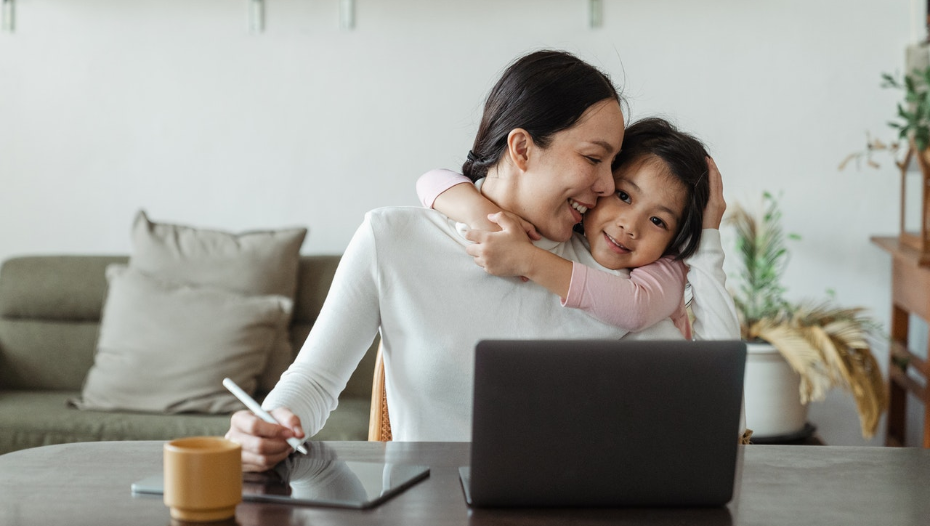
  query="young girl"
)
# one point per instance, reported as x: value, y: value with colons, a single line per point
x: 651, y: 223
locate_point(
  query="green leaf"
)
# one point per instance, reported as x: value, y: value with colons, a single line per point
x: 890, y: 82
x: 922, y: 135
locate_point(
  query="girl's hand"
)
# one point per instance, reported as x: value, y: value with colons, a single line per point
x: 505, y: 253
x: 527, y: 227
x: 263, y: 444
x: 716, y: 205
x: 491, y: 224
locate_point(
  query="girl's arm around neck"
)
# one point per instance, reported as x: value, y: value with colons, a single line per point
x: 511, y: 253
x: 645, y: 297
x: 457, y: 198
x: 434, y: 182
x: 648, y: 295
x: 465, y: 204
x: 550, y: 271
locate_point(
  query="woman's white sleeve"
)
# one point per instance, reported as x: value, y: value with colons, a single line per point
x: 343, y: 332
x: 714, y: 311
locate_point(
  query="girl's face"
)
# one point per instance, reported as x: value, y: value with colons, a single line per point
x: 561, y: 181
x: 635, y: 226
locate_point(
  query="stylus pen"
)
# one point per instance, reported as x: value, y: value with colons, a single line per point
x: 261, y: 413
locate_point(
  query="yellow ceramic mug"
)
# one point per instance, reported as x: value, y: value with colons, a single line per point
x: 203, y: 478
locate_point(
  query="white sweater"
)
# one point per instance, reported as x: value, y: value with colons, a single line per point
x: 406, y: 272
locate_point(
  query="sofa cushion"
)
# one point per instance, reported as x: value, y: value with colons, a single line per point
x: 166, y: 347
x: 46, y: 354
x: 54, y: 287
x: 250, y: 263
x: 41, y: 418
x: 314, y: 278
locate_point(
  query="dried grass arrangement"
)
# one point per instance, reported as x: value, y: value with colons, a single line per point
x: 826, y: 344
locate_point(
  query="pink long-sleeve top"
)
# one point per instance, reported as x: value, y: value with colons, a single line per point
x: 645, y: 296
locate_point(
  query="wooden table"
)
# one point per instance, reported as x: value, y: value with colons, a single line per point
x: 88, y: 483
x: 910, y: 294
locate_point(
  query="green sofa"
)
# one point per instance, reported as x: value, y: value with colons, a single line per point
x: 50, y: 309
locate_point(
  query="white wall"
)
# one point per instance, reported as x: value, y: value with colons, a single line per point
x: 109, y: 106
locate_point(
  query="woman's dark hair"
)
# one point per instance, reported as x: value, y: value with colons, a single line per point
x: 685, y: 159
x: 544, y: 92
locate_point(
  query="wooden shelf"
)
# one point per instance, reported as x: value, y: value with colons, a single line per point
x: 910, y: 295
x: 895, y: 247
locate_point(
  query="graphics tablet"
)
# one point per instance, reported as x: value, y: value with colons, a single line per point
x: 313, y: 482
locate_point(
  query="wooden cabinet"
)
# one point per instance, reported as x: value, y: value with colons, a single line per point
x: 910, y: 294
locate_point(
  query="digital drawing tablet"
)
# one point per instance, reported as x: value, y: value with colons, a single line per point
x: 312, y: 482
x: 605, y: 423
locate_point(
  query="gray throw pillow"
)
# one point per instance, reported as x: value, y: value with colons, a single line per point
x: 166, y: 347
x: 251, y: 263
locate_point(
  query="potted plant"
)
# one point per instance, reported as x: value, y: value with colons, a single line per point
x: 797, y: 351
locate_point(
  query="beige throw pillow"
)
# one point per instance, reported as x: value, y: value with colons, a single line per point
x: 251, y: 263
x: 166, y: 347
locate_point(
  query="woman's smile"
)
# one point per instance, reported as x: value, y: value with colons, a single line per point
x: 578, y: 210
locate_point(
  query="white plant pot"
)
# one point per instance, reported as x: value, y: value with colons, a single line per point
x: 772, y: 391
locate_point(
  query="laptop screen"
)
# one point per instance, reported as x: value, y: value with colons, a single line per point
x: 606, y: 422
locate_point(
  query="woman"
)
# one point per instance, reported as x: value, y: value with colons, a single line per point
x: 551, y: 128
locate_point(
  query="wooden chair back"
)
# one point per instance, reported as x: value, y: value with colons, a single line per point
x: 379, y: 424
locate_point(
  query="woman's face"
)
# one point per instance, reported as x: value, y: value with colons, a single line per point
x: 634, y: 227
x: 565, y: 179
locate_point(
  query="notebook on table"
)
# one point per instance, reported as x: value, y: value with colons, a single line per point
x: 605, y: 423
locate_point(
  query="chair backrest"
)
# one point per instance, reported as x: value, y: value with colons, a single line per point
x: 379, y: 424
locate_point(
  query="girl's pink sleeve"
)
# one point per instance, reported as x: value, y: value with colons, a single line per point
x: 642, y: 299
x: 435, y: 182
x: 682, y: 322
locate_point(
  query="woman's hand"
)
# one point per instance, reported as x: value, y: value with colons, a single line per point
x: 264, y: 444
x: 505, y: 253
x: 716, y: 205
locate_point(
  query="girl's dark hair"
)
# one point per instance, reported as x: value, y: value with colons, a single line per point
x: 544, y: 92
x: 685, y: 159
